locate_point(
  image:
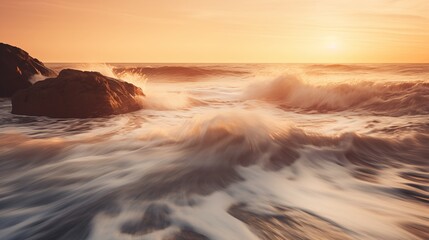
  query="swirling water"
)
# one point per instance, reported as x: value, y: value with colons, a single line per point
x: 228, y: 151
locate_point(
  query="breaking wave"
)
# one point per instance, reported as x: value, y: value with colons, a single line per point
x: 289, y: 91
x: 177, y: 71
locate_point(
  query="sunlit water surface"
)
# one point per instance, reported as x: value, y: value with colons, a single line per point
x: 250, y: 151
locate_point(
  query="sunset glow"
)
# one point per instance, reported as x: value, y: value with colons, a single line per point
x: 214, y: 119
x: 219, y: 31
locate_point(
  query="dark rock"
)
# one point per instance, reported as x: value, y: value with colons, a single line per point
x: 77, y: 94
x: 16, y: 68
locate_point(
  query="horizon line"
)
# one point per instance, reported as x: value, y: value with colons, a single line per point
x: 55, y: 62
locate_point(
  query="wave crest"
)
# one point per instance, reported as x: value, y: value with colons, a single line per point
x: 177, y: 71
x: 290, y: 91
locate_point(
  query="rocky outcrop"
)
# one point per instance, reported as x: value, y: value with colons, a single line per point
x: 77, y: 94
x: 16, y: 68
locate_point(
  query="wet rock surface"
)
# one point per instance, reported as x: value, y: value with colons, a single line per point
x: 77, y: 94
x: 16, y: 68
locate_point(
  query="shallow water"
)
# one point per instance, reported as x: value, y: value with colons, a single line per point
x: 235, y: 151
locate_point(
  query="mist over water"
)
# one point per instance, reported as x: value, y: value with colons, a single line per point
x: 234, y: 151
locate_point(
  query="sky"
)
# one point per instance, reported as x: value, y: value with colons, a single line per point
x: 219, y: 31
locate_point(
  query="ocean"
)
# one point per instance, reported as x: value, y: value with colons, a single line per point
x: 228, y: 151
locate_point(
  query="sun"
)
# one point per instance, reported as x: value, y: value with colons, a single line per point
x: 332, y: 44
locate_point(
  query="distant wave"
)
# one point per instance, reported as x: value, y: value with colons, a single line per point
x: 402, y: 69
x: 289, y: 91
x: 408, y: 69
x: 341, y: 67
x: 181, y: 71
